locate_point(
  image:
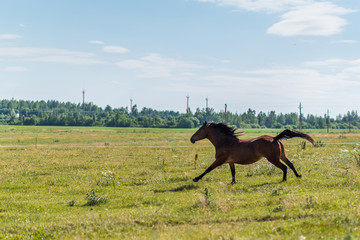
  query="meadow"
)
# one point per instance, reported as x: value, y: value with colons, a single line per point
x: 132, y: 183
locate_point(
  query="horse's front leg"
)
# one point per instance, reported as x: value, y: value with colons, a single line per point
x: 218, y: 162
x: 232, y: 168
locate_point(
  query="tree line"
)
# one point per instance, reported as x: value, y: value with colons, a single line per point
x: 55, y: 113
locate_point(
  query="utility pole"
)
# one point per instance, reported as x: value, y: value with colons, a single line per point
x: 131, y: 102
x: 206, y: 109
x: 83, y: 92
x: 300, y: 117
x: 187, y: 104
x: 327, y: 121
x: 12, y: 104
x: 13, y: 114
x: 225, y: 114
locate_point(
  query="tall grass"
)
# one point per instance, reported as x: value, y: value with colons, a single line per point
x: 65, y: 183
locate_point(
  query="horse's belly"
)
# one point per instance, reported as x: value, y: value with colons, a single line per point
x: 230, y: 160
x: 243, y: 160
x: 250, y: 161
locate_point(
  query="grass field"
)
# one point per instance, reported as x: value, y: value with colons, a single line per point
x: 125, y: 183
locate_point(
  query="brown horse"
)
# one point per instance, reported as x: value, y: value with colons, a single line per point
x: 230, y: 149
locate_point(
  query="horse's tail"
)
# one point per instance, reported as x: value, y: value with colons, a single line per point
x: 286, y: 134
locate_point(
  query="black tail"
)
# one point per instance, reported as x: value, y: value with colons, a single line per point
x: 286, y: 134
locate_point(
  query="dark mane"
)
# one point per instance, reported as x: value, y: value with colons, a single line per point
x: 225, y: 129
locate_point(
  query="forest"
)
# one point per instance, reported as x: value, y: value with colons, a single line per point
x: 55, y: 113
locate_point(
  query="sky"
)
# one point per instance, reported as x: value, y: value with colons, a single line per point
x: 267, y: 55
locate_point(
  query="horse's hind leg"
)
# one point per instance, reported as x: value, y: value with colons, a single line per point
x: 232, y: 168
x: 287, y: 162
x: 278, y: 164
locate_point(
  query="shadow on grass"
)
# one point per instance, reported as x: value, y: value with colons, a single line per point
x: 178, y: 189
x: 265, y: 184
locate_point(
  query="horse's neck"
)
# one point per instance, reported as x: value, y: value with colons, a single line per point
x: 219, y: 139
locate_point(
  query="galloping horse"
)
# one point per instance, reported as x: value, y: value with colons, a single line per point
x: 230, y: 149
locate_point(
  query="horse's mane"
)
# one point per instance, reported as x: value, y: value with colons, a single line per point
x: 225, y: 129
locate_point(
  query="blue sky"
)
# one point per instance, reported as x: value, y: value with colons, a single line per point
x: 260, y: 54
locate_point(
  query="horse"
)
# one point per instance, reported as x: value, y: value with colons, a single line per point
x: 230, y: 149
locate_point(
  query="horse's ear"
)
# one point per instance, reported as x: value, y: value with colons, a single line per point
x: 204, y: 123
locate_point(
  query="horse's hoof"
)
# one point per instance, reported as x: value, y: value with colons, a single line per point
x: 233, y: 183
x: 298, y: 176
x: 195, y: 180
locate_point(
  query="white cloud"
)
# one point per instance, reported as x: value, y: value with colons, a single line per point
x: 299, y: 18
x: 66, y: 59
x: 31, y: 51
x: 316, y: 19
x: 225, y: 61
x: 9, y: 36
x: 260, y: 5
x: 306, y: 82
x: 115, y: 49
x: 21, y: 25
x: 328, y: 62
x: 15, y: 69
x: 272, y: 88
x: 349, y: 69
x: 306, y: 41
x: 50, y: 55
x: 317, y: 84
x: 345, y: 41
x: 96, y: 42
x: 156, y: 66
x: 314, y: 83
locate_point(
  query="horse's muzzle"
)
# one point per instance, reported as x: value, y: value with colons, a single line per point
x: 192, y: 140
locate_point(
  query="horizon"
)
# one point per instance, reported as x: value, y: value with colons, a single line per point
x: 261, y: 54
x: 192, y: 110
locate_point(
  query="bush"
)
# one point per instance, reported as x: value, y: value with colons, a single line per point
x: 93, y: 199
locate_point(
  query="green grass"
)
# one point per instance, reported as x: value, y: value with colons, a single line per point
x: 128, y: 183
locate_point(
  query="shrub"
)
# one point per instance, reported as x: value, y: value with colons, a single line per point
x: 320, y: 143
x: 93, y: 199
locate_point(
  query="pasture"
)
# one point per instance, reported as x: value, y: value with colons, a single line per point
x: 126, y: 183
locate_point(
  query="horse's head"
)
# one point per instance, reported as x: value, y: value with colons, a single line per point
x: 201, y: 133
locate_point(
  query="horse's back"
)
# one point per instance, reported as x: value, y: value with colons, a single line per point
x: 252, y: 150
x: 263, y: 138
